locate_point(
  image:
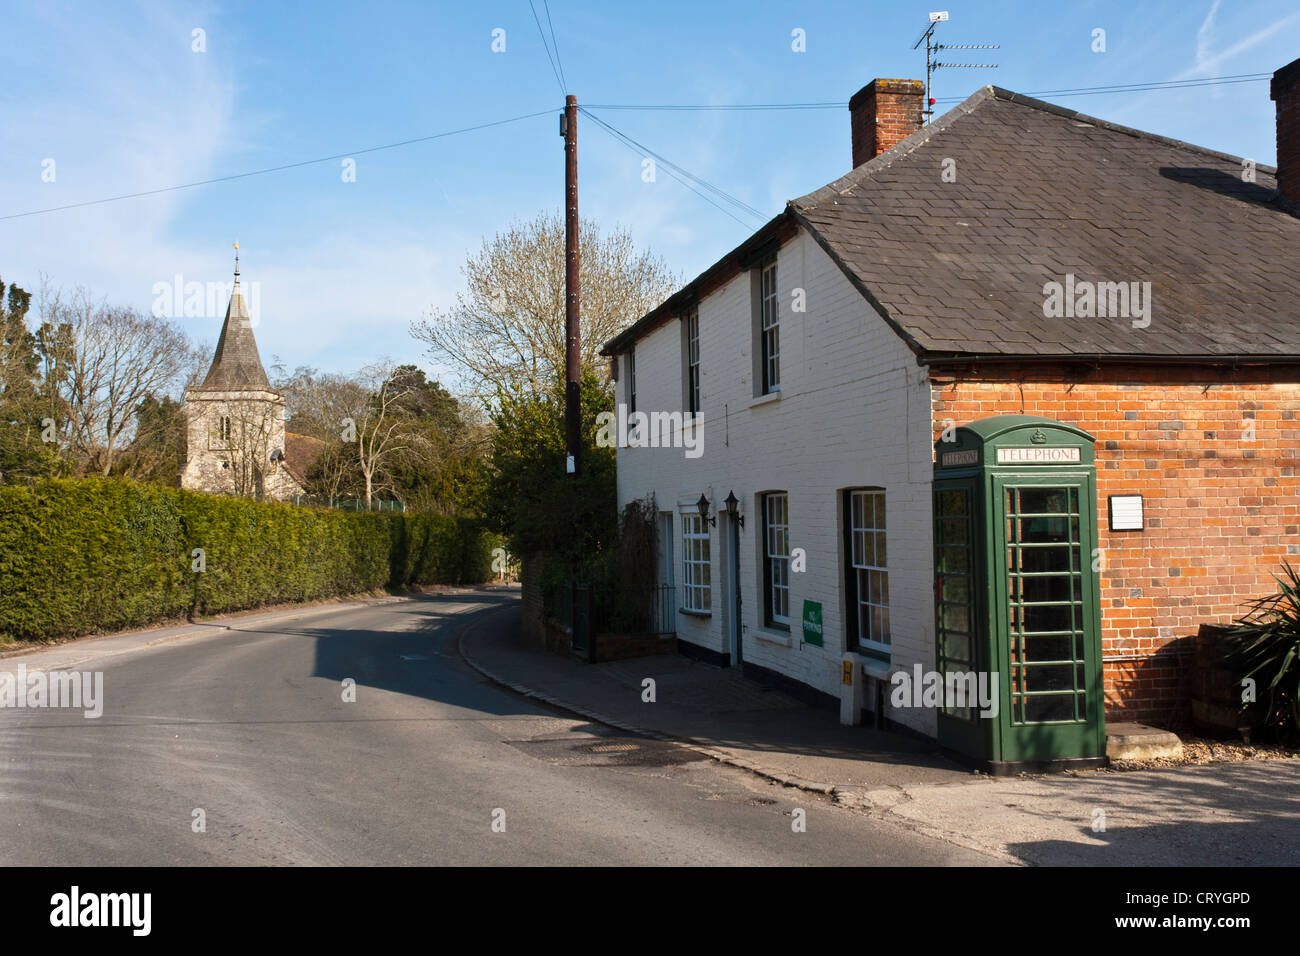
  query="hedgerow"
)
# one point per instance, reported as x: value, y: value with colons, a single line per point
x: 92, y: 555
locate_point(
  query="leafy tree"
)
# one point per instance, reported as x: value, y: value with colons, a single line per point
x: 530, y: 498
x: 27, y: 448
x: 444, y: 471
x: 157, y: 455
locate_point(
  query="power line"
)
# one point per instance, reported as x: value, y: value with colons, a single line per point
x: 683, y: 176
x: 276, y: 169
x: 839, y: 104
x: 546, y: 4
x: 628, y: 143
x: 633, y: 144
x: 546, y: 46
x: 671, y: 166
x: 1140, y: 87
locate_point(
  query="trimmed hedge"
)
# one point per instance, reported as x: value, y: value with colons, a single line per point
x: 89, y: 555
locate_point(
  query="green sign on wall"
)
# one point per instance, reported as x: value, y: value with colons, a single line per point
x: 812, y: 622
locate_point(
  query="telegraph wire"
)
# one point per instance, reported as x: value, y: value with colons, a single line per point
x: 1141, y: 87
x: 276, y: 169
x: 840, y: 104
x: 740, y: 107
x: 547, y: 47
x: 682, y: 175
x: 546, y: 4
x: 628, y: 143
x: 663, y: 160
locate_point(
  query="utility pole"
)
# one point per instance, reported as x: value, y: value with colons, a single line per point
x: 572, y: 332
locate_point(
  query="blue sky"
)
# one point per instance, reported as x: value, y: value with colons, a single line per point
x: 117, y: 97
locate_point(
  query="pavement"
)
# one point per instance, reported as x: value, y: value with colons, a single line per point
x: 356, y: 734
x: 1226, y: 814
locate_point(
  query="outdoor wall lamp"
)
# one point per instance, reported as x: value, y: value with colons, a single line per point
x: 733, y: 508
x: 703, y: 506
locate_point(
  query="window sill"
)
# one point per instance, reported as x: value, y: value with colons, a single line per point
x: 874, y: 667
x: 767, y: 399
x: 781, y: 638
x: 705, y: 615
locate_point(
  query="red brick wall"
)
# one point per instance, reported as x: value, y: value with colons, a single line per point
x: 1285, y: 90
x: 882, y: 114
x: 1222, y: 513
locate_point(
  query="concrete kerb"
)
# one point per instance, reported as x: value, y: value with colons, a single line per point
x: 776, y: 776
x: 850, y: 798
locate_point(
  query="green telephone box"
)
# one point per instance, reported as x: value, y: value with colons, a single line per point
x: 1017, y: 600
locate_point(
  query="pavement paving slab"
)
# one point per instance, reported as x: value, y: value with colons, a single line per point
x: 1226, y: 814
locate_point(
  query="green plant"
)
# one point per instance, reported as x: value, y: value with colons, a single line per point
x: 1265, y: 648
x: 532, y: 500
x: 624, y: 574
x: 91, y: 555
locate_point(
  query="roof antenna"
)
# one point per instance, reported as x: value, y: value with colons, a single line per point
x: 931, y: 65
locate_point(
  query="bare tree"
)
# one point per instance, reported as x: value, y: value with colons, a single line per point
x: 330, y: 471
x: 241, y: 433
x: 249, y: 427
x: 383, y: 433
x: 319, y: 404
x: 103, y: 361
x: 505, y: 334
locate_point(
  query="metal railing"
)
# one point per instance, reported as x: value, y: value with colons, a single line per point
x: 663, y: 610
x: 349, y: 504
x: 589, y: 610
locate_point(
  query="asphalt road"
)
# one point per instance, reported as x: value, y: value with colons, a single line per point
x: 249, y: 725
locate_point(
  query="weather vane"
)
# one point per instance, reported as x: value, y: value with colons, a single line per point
x: 236, y: 245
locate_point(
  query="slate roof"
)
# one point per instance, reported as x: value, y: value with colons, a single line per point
x: 236, y: 363
x: 958, y: 268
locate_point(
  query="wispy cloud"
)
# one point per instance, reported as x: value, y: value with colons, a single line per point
x: 1208, y: 64
x: 127, y: 110
x: 1205, y: 36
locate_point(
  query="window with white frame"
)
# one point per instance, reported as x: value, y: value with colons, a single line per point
x: 867, y: 583
x: 693, y: 361
x: 770, y: 329
x: 696, y: 579
x: 776, y: 559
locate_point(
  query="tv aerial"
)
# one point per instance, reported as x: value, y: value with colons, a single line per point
x: 931, y: 48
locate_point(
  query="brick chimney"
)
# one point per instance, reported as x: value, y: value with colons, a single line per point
x: 1285, y: 89
x: 885, y: 112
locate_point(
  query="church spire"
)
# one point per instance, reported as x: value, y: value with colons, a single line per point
x: 236, y: 363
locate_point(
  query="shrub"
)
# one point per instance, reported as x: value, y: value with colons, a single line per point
x: 1265, y: 647
x: 81, y: 556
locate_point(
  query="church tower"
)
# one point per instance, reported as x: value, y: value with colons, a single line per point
x: 235, y: 421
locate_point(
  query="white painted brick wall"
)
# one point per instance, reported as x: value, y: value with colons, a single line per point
x: 854, y: 411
